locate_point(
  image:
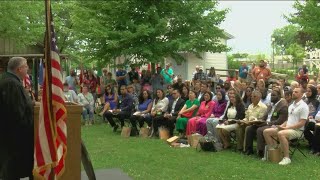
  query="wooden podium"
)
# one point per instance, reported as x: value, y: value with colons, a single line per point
x: 73, y: 158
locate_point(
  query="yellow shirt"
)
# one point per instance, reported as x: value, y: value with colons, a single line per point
x: 255, y: 113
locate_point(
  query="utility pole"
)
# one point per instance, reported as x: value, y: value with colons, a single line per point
x: 273, y: 41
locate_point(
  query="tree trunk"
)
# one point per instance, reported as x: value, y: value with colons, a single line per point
x: 153, y: 68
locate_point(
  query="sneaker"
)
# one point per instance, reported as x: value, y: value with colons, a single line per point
x: 285, y: 161
x: 263, y: 159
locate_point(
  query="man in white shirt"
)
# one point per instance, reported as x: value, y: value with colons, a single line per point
x: 290, y: 129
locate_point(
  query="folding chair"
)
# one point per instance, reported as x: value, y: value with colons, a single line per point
x: 233, y: 139
x: 294, y: 144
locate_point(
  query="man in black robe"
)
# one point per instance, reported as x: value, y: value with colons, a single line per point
x: 16, y: 129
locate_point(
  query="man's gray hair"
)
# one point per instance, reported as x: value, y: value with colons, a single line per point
x: 14, y: 63
x: 257, y: 93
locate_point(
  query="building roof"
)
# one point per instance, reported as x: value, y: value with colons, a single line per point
x: 228, y: 35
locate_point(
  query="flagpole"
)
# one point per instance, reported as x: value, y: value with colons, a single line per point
x: 48, y: 73
x: 48, y: 52
x: 35, y: 72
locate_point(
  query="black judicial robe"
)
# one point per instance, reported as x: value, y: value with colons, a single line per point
x: 16, y: 129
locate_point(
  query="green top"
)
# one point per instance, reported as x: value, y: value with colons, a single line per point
x: 167, y: 76
x: 189, y: 104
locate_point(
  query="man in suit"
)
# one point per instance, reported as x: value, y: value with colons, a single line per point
x: 124, y: 109
x: 276, y: 114
x: 169, y: 118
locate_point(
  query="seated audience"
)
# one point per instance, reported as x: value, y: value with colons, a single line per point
x: 276, y: 114
x: 288, y: 97
x: 203, y: 113
x: 109, y: 99
x: 124, y: 108
x: 255, y: 112
x: 311, y: 100
x: 159, y: 107
x: 235, y: 112
x: 168, y: 119
x: 188, y: 111
x: 143, y: 112
x: 185, y: 93
x: 70, y: 95
x: 247, y: 97
x: 217, y: 112
x: 132, y: 92
x: 293, y: 128
x: 87, y: 101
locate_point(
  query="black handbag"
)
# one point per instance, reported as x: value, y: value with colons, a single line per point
x: 206, y: 145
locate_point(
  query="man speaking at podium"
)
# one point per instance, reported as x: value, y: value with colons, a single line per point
x: 16, y: 123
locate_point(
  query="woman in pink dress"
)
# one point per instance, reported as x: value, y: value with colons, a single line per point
x: 217, y: 112
x: 204, y: 112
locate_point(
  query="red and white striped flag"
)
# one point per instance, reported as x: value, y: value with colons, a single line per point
x: 26, y: 81
x: 51, y: 137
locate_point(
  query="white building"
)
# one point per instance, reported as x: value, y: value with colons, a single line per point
x: 216, y: 60
x: 313, y: 58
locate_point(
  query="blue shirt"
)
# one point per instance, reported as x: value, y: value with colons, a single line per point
x: 144, y: 106
x: 126, y: 103
x: 121, y: 73
x: 243, y: 72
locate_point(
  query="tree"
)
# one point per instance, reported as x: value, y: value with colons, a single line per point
x: 307, y: 17
x: 284, y: 37
x: 22, y: 22
x: 297, y: 52
x: 149, y: 31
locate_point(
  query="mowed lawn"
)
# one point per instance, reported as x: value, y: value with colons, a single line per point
x: 144, y: 158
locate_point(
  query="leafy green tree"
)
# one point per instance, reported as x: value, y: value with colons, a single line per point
x: 307, y: 17
x: 148, y: 31
x: 297, y: 52
x: 284, y: 37
x: 97, y: 32
x: 22, y: 22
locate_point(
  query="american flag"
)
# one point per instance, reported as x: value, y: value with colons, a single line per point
x: 51, y: 137
x: 26, y: 81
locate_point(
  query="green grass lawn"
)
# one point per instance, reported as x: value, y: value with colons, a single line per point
x: 144, y: 158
